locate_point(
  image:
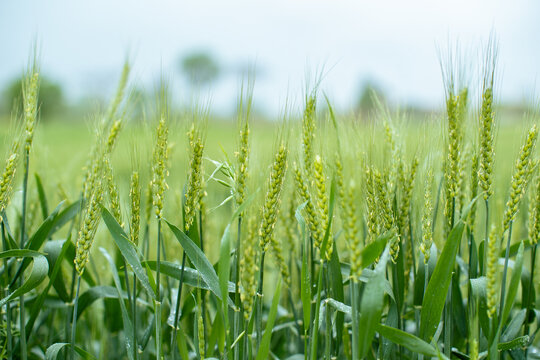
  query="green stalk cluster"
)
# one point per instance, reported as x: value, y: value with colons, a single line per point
x: 88, y: 228
x: 520, y: 177
x: 534, y: 221
x: 308, y: 132
x: 406, y: 185
x: 249, y: 268
x: 159, y: 167
x: 394, y: 151
x: 350, y: 229
x: 242, y: 156
x: 271, y: 204
x: 6, y: 181
x: 371, y: 206
x: 135, y: 203
x: 194, y: 191
x: 313, y: 220
x: 487, y: 135
x: 385, y: 212
x: 114, y: 194
x: 474, y: 192
x: 289, y: 223
x: 427, y: 216
x: 492, y: 290
x: 322, y: 201
x: 271, y: 208
x: 30, y: 98
x: 102, y: 150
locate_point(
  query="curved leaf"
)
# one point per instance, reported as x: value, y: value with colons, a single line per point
x: 128, y: 325
x: 435, y: 296
x: 409, y: 341
x: 191, y: 276
x: 39, y: 271
x: 53, y: 351
x: 198, y: 259
x: 128, y: 250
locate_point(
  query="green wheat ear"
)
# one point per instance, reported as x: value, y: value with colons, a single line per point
x: 88, y: 228
x: 520, y: 177
x: 350, y: 228
x: 30, y: 104
x: 427, y: 216
x: 271, y: 202
x: 487, y: 126
x: 194, y: 190
x: 159, y: 166
x: 135, y: 207
x: 492, y: 289
x: 308, y: 131
x: 249, y: 268
x: 8, y: 175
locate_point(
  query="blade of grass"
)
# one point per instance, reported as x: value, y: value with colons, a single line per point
x: 264, y: 349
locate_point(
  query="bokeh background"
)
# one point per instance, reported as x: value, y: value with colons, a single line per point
x: 203, y: 48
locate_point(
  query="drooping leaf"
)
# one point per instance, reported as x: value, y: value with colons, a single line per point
x: 191, y: 276
x: 411, y: 342
x: 53, y: 351
x: 128, y: 325
x: 128, y: 250
x: 38, y: 273
x: 198, y: 259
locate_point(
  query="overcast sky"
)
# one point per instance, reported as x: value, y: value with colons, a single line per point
x: 394, y: 43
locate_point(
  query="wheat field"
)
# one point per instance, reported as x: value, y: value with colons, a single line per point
x: 319, y: 235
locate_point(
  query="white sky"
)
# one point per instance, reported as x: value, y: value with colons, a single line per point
x: 84, y: 43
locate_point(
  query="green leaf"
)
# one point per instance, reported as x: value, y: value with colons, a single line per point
x: 42, y: 197
x: 409, y: 341
x: 191, y: 276
x: 264, y: 349
x: 65, y: 216
x: 56, y: 251
x: 510, y: 298
x: 513, y: 288
x: 88, y: 297
x: 371, y: 306
x: 39, y: 271
x: 198, y: 259
x: 512, y: 330
x: 57, y: 248
x: 128, y: 325
x: 53, y: 351
x: 435, y: 296
x: 36, y: 240
x: 374, y: 249
x: 128, y: 250
x: 337, y: 289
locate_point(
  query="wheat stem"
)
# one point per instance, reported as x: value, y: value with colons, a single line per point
x: 8, y: 306
x: 74, y: 319
x: 505, y: 269
x: 22, y: 326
